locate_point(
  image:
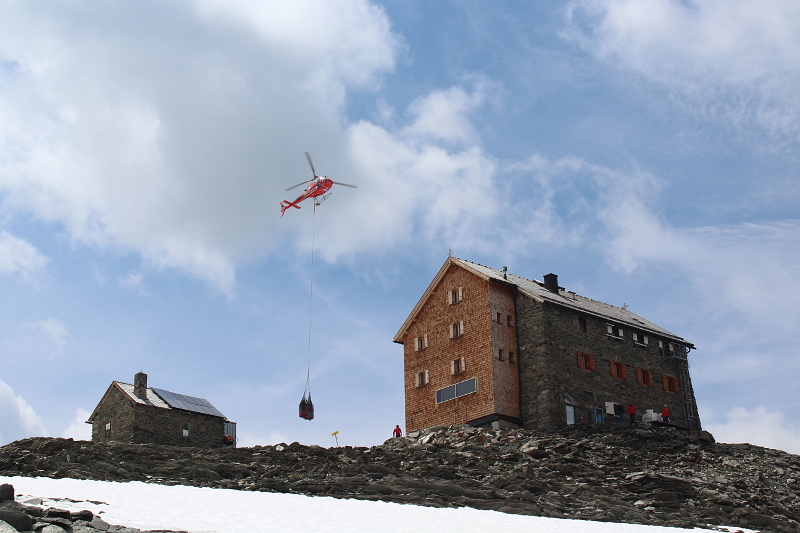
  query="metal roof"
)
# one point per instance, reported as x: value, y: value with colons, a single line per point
x: 536, y: 290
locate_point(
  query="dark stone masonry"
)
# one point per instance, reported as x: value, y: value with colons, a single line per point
x: 642, y: 474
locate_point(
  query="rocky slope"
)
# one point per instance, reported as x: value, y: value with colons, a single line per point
x: 641, y: 474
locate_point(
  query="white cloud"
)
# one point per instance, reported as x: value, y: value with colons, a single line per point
x: 175, y: 139
x: 739, y: 60
x: 19, y: 419
x: 45, y: 338
x: 444, y: 115
x: 78, y: 429
x: 132, y: 281
x: 19, y: 257
x: 760, y: 426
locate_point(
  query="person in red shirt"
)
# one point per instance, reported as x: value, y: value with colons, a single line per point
x: 632, y: 412
x: 665, y: 414
x: 397, y: 431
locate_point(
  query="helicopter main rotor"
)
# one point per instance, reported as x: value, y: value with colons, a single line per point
x: 314, y: 173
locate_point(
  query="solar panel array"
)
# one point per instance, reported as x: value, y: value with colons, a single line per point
x: 187, y: 403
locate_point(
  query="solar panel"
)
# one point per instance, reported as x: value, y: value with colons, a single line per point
x: 187, y: 403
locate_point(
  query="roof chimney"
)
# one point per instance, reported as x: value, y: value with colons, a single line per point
x: 551, y: 282
x: 505, y: 272
x: 140, y: 385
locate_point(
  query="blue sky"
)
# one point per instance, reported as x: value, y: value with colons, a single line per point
x: 647, y: 153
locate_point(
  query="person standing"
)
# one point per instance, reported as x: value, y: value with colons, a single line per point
x: 665, y: 414
x: 632, y: 412
x: 397, y: 431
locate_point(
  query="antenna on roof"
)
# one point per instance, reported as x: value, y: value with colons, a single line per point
x: 624, y: 307
x: 449, y: 253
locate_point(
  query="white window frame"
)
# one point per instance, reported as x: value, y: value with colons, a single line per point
x: 458, y: 389
x: 421, y: 378
x: 455, y: 295
x: 615, y: 332
x: 457, y: 329
x: 458, y: 366
x: 640, y: 339
x: 420, y: 343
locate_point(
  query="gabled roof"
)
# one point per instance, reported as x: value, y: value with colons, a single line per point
x: 536, y: 290
x: 163, y: 399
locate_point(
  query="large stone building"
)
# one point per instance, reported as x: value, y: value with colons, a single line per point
x: 483, y: 346
x: 138, y: 414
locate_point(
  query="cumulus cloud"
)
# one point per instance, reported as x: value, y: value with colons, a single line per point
x: 19, y: 418
x: 171, y: 130
x: 739, y: 60
x: 771, y: 429
x: 19, y: 257
x: 78, y: 429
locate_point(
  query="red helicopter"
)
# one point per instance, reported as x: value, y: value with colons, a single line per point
x: 317, y: 186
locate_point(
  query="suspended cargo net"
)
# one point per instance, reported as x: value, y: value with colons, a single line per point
x: 307, y: 407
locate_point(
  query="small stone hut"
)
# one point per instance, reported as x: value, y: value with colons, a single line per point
x: 138, y: 414
x: 485, y: 347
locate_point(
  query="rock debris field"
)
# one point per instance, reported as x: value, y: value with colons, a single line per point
x: 633, y: 474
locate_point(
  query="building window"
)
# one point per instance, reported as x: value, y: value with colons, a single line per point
x: 421, y: 378
x: 669, y: 383
x: 582, y: 326
x: 420, y: 343
x: 496, y: 315
x: 585, y: 361
x: 108, y: 429
x: 511, y: 357
x: 618, y: 370
x: 588, y: 396
x: 458, y: 366
x: 457, y: 329
x: 509, y: 321
x: 614, y: 332
x: 644, y: 377
x: 640, y: 340
x: 671, y: 350
x: 456, y: 295
x: 677, y: 350
x: 185, y: 429
x: 455, y: 391
x: 499, y: 355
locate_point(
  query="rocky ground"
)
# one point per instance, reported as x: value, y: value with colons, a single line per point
x: 642, y: 474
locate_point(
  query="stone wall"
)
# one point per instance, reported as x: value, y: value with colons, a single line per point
x: 550, y: 343
x: 165, y: 426
x: 116, y: 411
